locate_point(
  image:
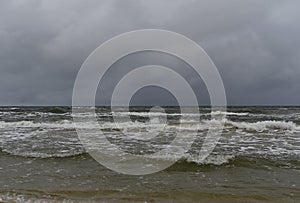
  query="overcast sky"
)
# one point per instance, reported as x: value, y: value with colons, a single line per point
x: 255, y: 44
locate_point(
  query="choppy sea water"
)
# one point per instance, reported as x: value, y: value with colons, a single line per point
x: 257, y: 158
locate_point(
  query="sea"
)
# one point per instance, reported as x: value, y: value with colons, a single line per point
x: 256, y: 159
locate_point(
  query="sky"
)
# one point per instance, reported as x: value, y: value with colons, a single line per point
x: 254, y: 44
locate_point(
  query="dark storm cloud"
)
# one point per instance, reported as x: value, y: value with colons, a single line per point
x: 255, y: 44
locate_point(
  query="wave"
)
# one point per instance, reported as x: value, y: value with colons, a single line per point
x: 185, y: 124
x: 257, y: 162
x: 13, y: 198
x: 145, y: 114
x: 265, y: 125
x: 188, y: 160
x: 227, y: 113
x: 30, y: 196
x: 42, y: 155
x: 260, y: 126
x: 32, y: 124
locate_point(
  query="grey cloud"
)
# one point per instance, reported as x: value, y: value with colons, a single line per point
x: 255, y: 44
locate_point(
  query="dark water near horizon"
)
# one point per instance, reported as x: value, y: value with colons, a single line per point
x: 257, y: 158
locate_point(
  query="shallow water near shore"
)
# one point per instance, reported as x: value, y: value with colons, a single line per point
x: 256, y: 159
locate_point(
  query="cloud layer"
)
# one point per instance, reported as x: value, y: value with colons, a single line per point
x: 254, y: 44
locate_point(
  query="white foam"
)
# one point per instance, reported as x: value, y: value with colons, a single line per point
x: 12, y: 198
x: 211, y: 159
x: 20, y: 198
x: 269, y: 125
x: 144, y: 114
x: 227, y: 113
x: 33, y: 154
x: 245, y: 137
x: 265, y: 125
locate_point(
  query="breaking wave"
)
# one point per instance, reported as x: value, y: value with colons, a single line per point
x: 265, y: 125
x: 191, y: 124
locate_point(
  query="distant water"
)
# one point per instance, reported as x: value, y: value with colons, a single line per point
x: 257, y: 158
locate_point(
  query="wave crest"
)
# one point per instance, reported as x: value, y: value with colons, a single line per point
x: 265, y: 125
